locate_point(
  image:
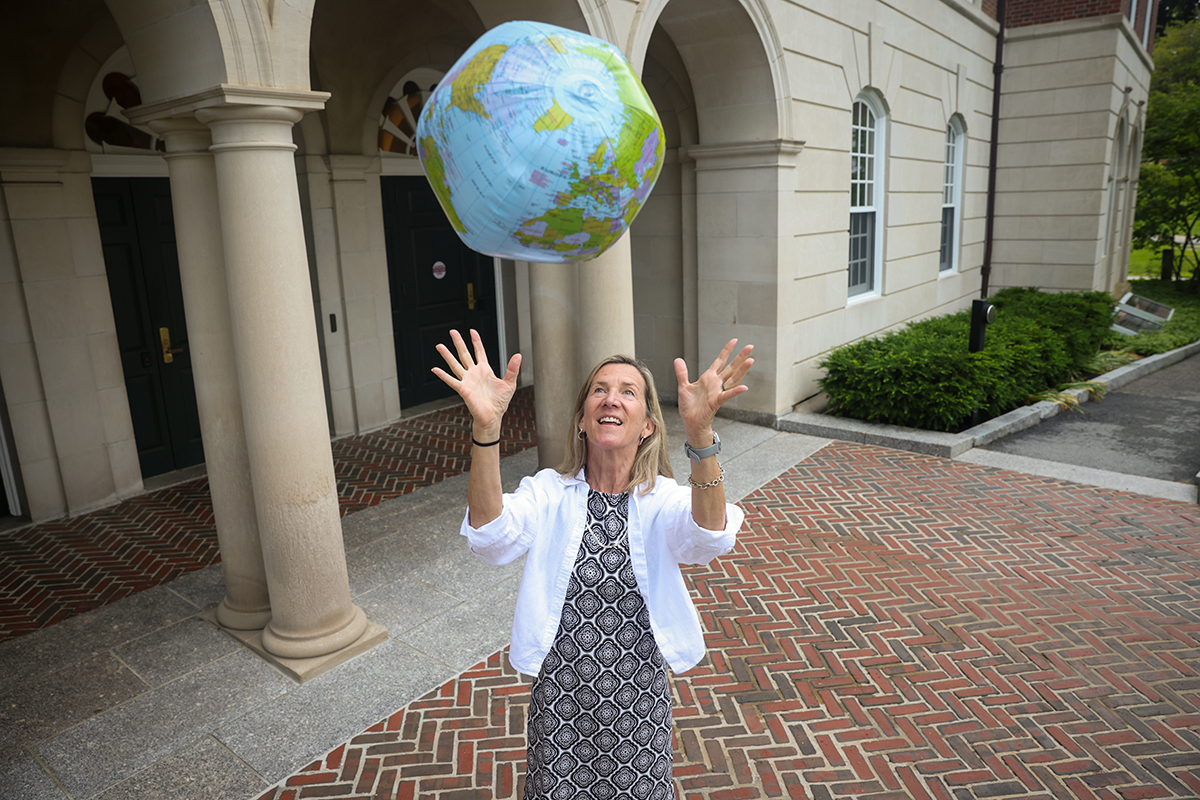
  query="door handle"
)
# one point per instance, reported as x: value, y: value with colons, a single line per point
x: 471, y: 296
x: 168, y: 353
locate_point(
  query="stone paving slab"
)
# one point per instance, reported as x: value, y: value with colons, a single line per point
x: 201, y: 770
x: 111, y: 747
x: 1150, y: 487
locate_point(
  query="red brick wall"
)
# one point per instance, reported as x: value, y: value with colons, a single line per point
x: 1020, y: 13
x: 1037, y: 12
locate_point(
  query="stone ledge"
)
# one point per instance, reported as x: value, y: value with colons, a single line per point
x: 930, y: 443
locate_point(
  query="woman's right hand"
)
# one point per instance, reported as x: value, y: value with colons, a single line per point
x: 487, y: 397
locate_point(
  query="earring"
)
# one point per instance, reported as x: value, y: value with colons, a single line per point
x: 641, y: 441
x: 579, y: 434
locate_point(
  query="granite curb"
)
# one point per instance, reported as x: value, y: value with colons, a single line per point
x: 952, y: 445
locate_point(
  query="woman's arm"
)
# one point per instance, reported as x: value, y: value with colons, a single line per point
x: 487, y: 398
x: 698, y: 405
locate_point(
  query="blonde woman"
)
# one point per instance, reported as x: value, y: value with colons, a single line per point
x: 603, y: 609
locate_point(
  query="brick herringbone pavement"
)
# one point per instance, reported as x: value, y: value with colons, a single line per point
x: 55, y: 570
x: 889, y: 626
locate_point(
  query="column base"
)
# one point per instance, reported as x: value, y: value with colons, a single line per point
x: 226, y: 617
x: 304, y: 669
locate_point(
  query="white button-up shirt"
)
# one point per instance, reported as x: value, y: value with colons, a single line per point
x: 546, y: 516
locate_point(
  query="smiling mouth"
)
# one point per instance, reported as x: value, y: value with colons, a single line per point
x: 609, y: 421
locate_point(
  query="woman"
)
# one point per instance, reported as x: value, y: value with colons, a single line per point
x: 603, y: 608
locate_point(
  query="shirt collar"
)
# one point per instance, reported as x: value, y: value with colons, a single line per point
x: 579, y: 477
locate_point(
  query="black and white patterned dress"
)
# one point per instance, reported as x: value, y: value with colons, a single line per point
x: 600, y: 713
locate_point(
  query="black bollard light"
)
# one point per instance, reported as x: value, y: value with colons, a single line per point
x: 983, y: 314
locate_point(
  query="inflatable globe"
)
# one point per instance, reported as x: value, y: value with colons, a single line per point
x: 540, y: 143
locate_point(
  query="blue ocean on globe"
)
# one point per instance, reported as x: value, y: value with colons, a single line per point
x: 541, y: 144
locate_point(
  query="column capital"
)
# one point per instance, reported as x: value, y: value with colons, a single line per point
x: 183, y: 136
x: 744, y: 155
x: 225, y: 95
x: 237, y: 127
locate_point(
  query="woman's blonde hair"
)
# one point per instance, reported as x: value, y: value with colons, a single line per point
x: 651, y: 459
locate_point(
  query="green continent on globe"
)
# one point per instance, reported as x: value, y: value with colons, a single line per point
x: 603, y: 184
x: 562, y: 222
x: 435, y: 170
x: 634, y: 129
x: 475, y: 75
x: 553, y: 120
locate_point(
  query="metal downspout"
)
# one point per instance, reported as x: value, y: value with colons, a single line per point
x: 990, y: 221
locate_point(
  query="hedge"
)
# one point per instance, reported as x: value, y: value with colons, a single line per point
x: 923, y: 377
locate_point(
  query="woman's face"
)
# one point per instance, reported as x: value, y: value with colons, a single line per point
x: 614, y: 411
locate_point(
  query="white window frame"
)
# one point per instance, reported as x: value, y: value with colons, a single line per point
x: 1133, y: 4
x: 1146, y: 24
x: 954, y: 160
x: 868, y: 195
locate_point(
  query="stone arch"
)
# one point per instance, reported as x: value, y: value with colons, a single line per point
x: 439, y: 55
x: 240, y: 42
x: 746, y: 36
x: 52, y: 58
x: 360, y: 49
x: 76, y: 80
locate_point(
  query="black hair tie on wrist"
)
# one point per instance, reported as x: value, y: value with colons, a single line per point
x: 478, y: 443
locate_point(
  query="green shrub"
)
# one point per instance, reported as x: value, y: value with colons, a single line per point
x: 1082, y: 320
x: 920, y: 377
x: 923, y: 377
x: 1021, y: 357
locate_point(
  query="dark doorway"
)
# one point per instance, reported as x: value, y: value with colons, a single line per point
x: 437, y: 283
x: 138, y: 234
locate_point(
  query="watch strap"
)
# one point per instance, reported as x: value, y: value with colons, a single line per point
x: 697, y: 454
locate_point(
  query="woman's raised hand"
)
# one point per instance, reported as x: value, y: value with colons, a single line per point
x: 487, y: 397
x: 720, y: 383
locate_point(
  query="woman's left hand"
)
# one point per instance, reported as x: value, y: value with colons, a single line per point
x: 717, y: 385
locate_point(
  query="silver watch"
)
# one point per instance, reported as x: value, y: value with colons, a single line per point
x: 703, y: 452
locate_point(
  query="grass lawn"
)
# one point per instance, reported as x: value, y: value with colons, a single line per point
x: 1145, y: 264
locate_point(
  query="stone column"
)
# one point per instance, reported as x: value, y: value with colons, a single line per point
x: 552, y: 290
x: 581, y: 313
x: 279, y: 369
x: 606, y: 306
x: 246, y: 605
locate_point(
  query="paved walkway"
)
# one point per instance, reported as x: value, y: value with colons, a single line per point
x: 891, y: 625
x: 1149, y: 428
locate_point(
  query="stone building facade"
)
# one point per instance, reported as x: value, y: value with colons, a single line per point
x: 216, y: 243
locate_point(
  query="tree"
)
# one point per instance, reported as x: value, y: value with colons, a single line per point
x: 1168, y: 205
x: 1171, y: 12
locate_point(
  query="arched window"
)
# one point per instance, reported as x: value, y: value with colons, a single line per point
x: 952, y: 170
x: 866, y: 195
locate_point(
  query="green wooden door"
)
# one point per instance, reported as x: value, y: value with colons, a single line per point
x: 137, y: 231
x: 437, y: 283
